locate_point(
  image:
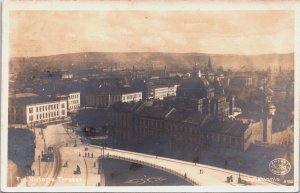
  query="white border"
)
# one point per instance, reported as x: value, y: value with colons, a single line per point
x: 144, y: 5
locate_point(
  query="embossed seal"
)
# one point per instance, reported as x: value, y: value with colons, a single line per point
x: 280, y: 166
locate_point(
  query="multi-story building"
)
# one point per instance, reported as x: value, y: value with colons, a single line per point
x: 73, y: 99
x: 36, y: 109
x: 135, y: 123
x: 104, y: 97
x: 161, y: 91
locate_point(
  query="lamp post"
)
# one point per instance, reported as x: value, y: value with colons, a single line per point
x: 239, y: 179
x: 39, y: 158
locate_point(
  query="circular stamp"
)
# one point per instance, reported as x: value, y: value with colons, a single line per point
x: 280, y: 166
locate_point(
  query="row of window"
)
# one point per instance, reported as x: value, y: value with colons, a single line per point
x: 74, y: 102
x: 74, y: 97
x: 47, y: 115
x: 46, y: 108
x: 132, y: 96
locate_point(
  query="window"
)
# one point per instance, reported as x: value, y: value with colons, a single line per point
x: 37, y: 117
x: 40, y: 109
x: 37, y: 109
x: 56, y: 106
x: 46, y: 108
x: 57, y: 113
x: 31, y: 118
x: 63, y: 105
x: 54, y: 114
x: 63, y: 112
x: 30, y: 110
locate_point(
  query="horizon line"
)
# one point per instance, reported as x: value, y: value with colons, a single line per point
x: 203, y: 53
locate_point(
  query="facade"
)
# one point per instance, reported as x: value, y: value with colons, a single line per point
x: 73, y: 100
x: 106, y: 97
x: 67, y: 75
x: 159, y: 92
x: 37, y: 109
x: 137, y: 122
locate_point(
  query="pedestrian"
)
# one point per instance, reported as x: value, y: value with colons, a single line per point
x: 231, y: 178
x: 184, y: 175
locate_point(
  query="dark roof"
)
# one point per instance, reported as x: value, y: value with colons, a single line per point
x: 114, y: 90
x: 154, y: 112
x: 197, y: 118
x: 125, y: 107
x: 31, y: 100
x: 180, y: 116
x: 233, y: 128
x: 66, y: 92
x: 250, y: 116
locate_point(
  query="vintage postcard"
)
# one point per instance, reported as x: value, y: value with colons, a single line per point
x: 139, y: 96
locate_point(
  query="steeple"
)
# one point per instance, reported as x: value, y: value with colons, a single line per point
x: 209, y: 65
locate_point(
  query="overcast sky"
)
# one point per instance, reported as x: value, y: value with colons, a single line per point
x: 37, y: 33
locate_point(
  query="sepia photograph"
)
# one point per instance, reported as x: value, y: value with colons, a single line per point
x: 109, y: 96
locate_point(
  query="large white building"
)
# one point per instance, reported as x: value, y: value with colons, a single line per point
x: 73, y: 100
x: 105, y: 97
x: 36, y: 109
x: 160, y: 92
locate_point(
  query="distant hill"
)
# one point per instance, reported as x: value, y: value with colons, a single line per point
x: 146, y: 59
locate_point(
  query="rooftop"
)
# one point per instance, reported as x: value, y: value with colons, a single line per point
x: 235, y: 128
x: 32, y: 100
x: 114, y: 90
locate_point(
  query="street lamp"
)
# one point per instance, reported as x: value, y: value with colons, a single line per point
x: 239, y: 179
x: 39, y: 158
x: 99, y: 165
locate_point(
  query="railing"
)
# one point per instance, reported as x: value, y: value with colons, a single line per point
x: 183, y: 176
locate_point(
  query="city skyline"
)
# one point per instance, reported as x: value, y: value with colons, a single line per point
x: 215, y: 32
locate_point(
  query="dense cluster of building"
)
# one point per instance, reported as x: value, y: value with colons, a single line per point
x: 200, y: 109
x: 198, y: 117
